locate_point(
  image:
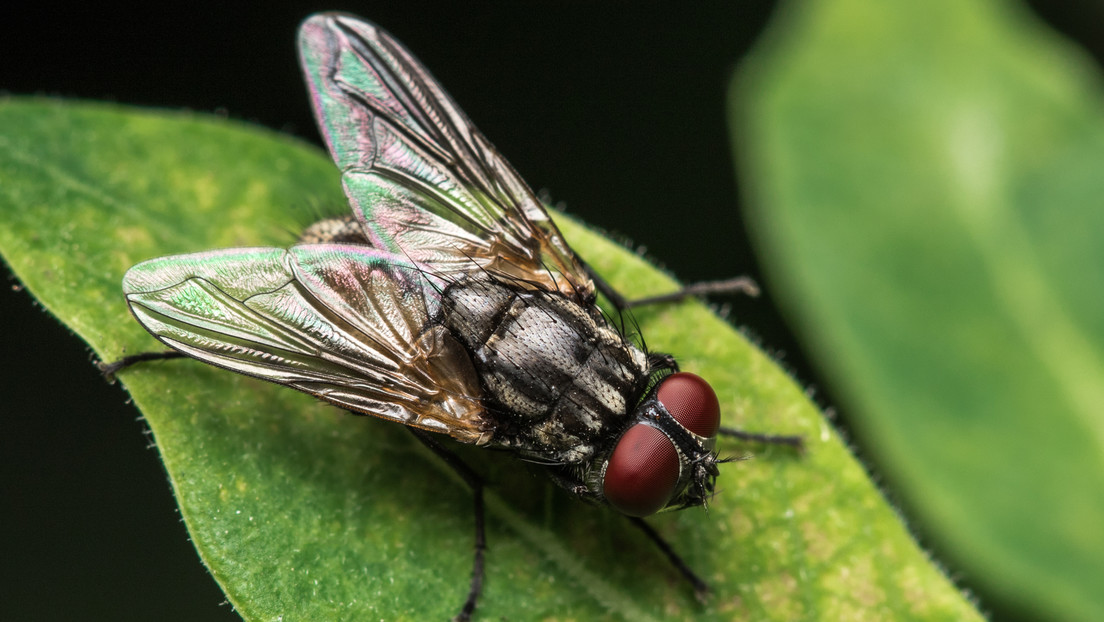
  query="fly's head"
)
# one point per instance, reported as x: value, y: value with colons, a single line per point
x: 665, y: 458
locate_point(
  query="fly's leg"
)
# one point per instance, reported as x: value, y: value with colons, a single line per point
x: 463, y: 470
x: 701, y: 588
x: 476, y: 484
x: 110, y: 369
x: 738, y: 285
x: 795, y: 441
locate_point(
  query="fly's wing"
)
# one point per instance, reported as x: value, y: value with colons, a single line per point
x: 347, y: 324
x: 421, y: 179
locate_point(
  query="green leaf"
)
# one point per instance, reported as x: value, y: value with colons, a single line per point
x: 928, y: 182
x: 303, y: 513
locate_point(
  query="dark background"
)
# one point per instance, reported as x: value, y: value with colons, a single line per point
x: 618, y: 113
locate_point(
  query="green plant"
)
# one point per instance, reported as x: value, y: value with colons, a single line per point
x: 302, y: 512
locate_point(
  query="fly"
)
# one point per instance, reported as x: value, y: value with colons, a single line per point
x: 448, y: 301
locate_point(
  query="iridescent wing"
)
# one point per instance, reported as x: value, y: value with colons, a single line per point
x: 422, y: 180
x: 348, y: 324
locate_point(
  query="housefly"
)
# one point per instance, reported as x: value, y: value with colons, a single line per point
x: 448, y: 302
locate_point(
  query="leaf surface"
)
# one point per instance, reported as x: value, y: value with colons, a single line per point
x: 302, y: 512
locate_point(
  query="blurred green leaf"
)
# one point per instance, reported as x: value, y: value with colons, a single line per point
x: 928, y: 196
x: 302, y: 513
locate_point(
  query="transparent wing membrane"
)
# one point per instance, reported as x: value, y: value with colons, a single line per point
x: 423, y: 181
x: 346, y: 323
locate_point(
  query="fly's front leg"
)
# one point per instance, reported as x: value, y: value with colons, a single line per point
x: 738, y: 285
x: 795, y: 441
x: 110, y: 369
x: 476, y: 484
x: 701, y: 588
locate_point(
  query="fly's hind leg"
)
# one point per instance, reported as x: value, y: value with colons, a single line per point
x: 476, y: 484
x: 340, y: 230
x: 110, y: 369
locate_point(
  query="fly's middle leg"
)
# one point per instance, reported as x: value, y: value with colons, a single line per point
x: 739, y: 285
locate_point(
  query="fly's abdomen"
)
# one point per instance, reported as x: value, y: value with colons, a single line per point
x: 559, y: 376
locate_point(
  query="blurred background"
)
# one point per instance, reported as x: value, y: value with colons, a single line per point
x: 619, y: 114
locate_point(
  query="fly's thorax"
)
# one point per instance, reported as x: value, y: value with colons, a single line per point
x: 558, y: 378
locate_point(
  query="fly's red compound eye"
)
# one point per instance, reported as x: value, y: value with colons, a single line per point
x: 692, y: 402
x: 642, y: 472
x: 643, y: 469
